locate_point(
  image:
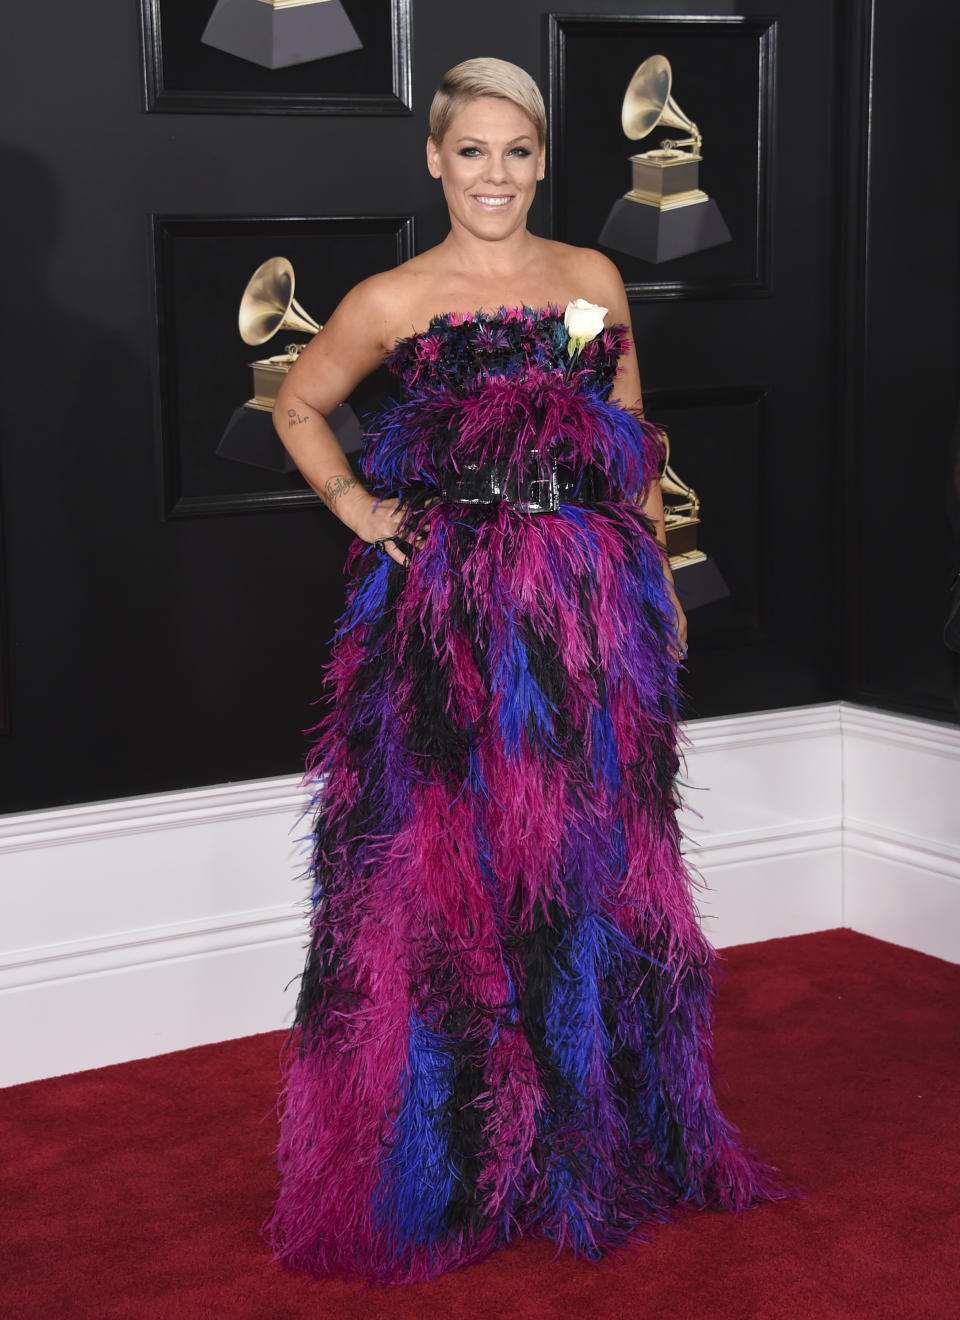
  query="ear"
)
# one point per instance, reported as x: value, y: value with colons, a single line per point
x: 433, y: 158
x: 541, y: 163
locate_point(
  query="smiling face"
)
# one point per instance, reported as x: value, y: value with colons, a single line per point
x: 489, y: 162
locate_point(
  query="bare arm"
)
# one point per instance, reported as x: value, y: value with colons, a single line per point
x: 349, y: 347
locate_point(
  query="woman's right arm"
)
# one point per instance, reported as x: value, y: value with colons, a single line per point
x: 349, y: 347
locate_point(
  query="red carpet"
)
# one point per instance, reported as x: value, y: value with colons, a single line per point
x: 137, y: 1190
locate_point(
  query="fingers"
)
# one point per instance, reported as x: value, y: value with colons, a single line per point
x: 678, y: 649
x: 397, y: 548
x: 399, y: 545
x: 392, y: 538
x: 682, y: 650
x: 400, y: 550
x: 393, y: 548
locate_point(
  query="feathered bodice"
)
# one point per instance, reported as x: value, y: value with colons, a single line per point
x: 505, y: 387
x: 513, y: 343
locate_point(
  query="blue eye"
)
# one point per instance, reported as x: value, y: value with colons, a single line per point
x: 471, y: 152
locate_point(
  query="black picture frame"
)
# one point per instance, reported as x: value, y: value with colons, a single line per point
x: 182, y: 75
x: 202, y: 265
x: 724, y: 453
x: 724, y: 77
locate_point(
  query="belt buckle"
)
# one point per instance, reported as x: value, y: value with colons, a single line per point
x: 539, y: 494
x: 475, y: 483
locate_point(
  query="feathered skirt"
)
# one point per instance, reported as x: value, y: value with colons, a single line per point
x: 504, y: 1022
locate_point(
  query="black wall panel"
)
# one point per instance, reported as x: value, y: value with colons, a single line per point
x: 905, y: 380
x: 146, y: 653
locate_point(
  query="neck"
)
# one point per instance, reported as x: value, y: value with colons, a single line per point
x: 489, y: 259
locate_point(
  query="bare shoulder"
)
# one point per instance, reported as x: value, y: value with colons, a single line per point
x: 599, y: 276
x: 586, y: 273
x: 401, y: 300
x: 372, y: 307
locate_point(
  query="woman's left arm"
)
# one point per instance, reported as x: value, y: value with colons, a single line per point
x: 628, y: 394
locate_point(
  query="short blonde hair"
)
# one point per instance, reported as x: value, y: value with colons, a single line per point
x: 486, y: 77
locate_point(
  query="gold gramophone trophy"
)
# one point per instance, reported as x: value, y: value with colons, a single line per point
x: 681, y: 516
x: 267, y: 307
x: 696, y: 576
x: 665, y: 214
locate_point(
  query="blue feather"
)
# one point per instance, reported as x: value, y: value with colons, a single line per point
x: 606, y: 760
x: 522, y: 700
x: 418, y: 1175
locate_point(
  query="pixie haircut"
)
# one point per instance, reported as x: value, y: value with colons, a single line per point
x: 486, y: 77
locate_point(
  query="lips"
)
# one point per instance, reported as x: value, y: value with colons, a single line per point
x: 492, y: 200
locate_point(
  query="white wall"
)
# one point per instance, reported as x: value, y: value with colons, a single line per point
x: 902, y: 830
x: 763, y: 822
x: 151, y: 924
x: 147, y: 924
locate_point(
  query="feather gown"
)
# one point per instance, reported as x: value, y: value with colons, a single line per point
x: 503, y: 1025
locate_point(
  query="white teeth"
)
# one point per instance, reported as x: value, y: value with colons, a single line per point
x: 493, y: 201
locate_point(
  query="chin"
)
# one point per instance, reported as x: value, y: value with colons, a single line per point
x: 513, y: 217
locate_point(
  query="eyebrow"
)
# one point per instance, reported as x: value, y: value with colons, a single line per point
x: 524, y: 137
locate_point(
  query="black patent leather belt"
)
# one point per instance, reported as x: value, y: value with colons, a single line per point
x: 540, y: 491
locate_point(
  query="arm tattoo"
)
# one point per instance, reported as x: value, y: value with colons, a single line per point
x: 335, y: 487
x: 295, y: 418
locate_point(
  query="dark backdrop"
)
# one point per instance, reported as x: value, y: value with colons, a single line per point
x: 145, y: 654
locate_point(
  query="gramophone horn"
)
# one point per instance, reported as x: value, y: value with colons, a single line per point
x: 647, y: 102
x: 268, y: 304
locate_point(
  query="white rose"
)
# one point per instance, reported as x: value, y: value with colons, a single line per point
x: 584, y: 321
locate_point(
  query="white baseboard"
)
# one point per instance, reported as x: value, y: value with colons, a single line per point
x: 902, y: 830
x: 902, y: 890
x: 150, y: 924
x: 771, y: 884
x: 762, y: 822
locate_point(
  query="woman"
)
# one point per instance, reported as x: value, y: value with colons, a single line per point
x: 503, y: 1025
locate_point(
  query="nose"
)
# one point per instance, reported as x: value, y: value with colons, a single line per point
x: 496, y: 171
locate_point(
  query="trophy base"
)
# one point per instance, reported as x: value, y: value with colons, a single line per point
x: 250, y: 438
x: 698, y: 580
x: 681, y: 536
x: 268, y: 377
x: 279, y: 37
x: 654, y: 234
